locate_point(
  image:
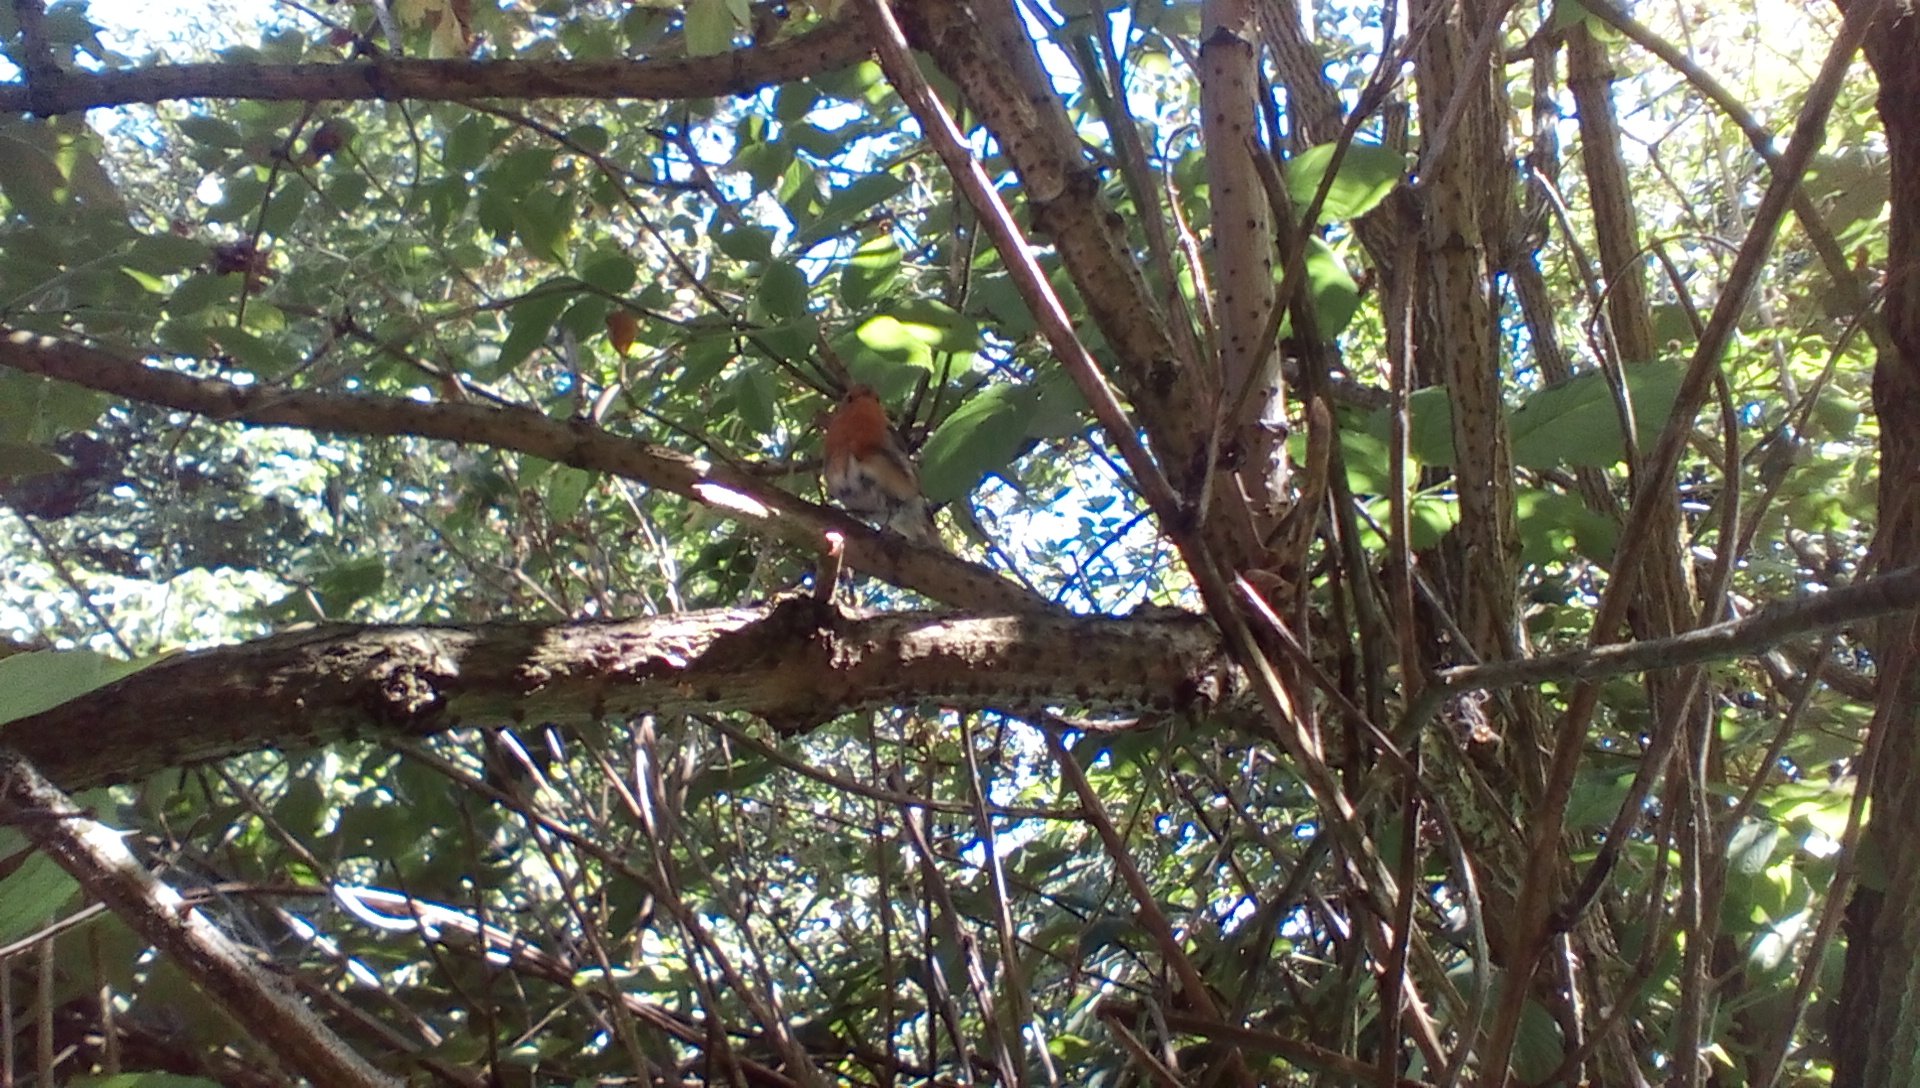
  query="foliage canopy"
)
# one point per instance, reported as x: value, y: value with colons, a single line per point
x: 1305, y: 403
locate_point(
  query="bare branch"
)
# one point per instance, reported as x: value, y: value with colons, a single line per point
x: 796, y: 664
x: 1767, y: 626
x: 98, y: 858
x: 835, y: 45
x: 727, y: 491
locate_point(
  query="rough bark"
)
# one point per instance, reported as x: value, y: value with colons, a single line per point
x: 1877, y: 1027
x: 741, y: 71
x: 798, y: 665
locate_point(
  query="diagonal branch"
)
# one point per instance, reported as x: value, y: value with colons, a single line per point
x: 1753, y: 634
x: 97, y: 857
x: 725, y: 490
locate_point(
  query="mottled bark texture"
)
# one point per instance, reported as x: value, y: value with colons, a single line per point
x: 1876, y: 1029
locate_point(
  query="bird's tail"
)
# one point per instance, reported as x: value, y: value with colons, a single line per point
x: 913, y: 519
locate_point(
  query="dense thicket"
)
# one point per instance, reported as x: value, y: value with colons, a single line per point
x: 1421, y: 603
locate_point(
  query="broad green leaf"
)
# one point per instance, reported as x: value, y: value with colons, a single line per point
x: 794, y: 101
x: 29, y: 176
x: 754, y: 396
x: 1331, y: 288
x: 32, y: 895
x: 1061, y: 410
x: 543, y: 222
x: 1368, y: 172
x: 741, y: 774
x: 38, y: 410
x: 765, y: 163
x: 1576, y: 422
x: 746, y: 243
x: 347, y: 584
x: 165, y: 254
x: 710, y: 27
x: 529, y: 322
x: 874, y: 268
x: 937, y: 324
x: 43, y: 679
x: 1429, y: 429
x: 212, y: 131
x: 980, y: 437
x: 283, y: 209
x: 1554, y: 526
x: 847, y: 204
x: 566, y: 491
x: 586, y: 318
x: 782, y: 292
x: 468, y: 143
x: 883, y: 345
x: 517, y: 174
x: 19, y: 459
x: 265, y: 358
x: 201, y: 291
x: 613, y: 273
x: 240, y: 199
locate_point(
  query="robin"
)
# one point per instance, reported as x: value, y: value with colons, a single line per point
x: 869, y: 473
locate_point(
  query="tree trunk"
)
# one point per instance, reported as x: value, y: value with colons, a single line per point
x: 1877, y: 1029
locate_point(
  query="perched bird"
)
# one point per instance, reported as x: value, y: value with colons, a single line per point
x: 869, y: 474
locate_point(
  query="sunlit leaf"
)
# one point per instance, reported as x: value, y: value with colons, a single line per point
x: 981, y: 436
x: 1367, y: 173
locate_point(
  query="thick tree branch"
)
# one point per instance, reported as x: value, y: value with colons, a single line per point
x: 732, y: 493
x: 797, y: 664
x: 834, y: 45
x: 226, y: 972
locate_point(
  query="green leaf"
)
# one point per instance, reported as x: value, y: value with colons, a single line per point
x: 710, y: 28
x: 212, y: 131
x: 283, y: 210
x: 1331, y: 290
x: 937, y: 324
x: 1576, y: 422
x: 1554, y: 526
x: 529, y: 322
x: 782, y: 293
x: 36, y: 409
x: 874, y: 268
x: 567, y: 490
x: 611, y: 272
x: 32, y: 895
x: 754, y: 399
x: 741, y: 774
x: 543, y: 222
x: 347, y: 584
x: 1368, y: 172
x: 516, y: 175
x: 847, y: 204
x: 982, y: 436
x: 468, y: 144
x: 165, y: 254
x: 43, y: 679
x: 766, y: 163
x: 746, y: 243
x: 202, y: 291
x: 264, y: 358
x: 20, y: 459
x: 240, y: 199
x: 794, y: 101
